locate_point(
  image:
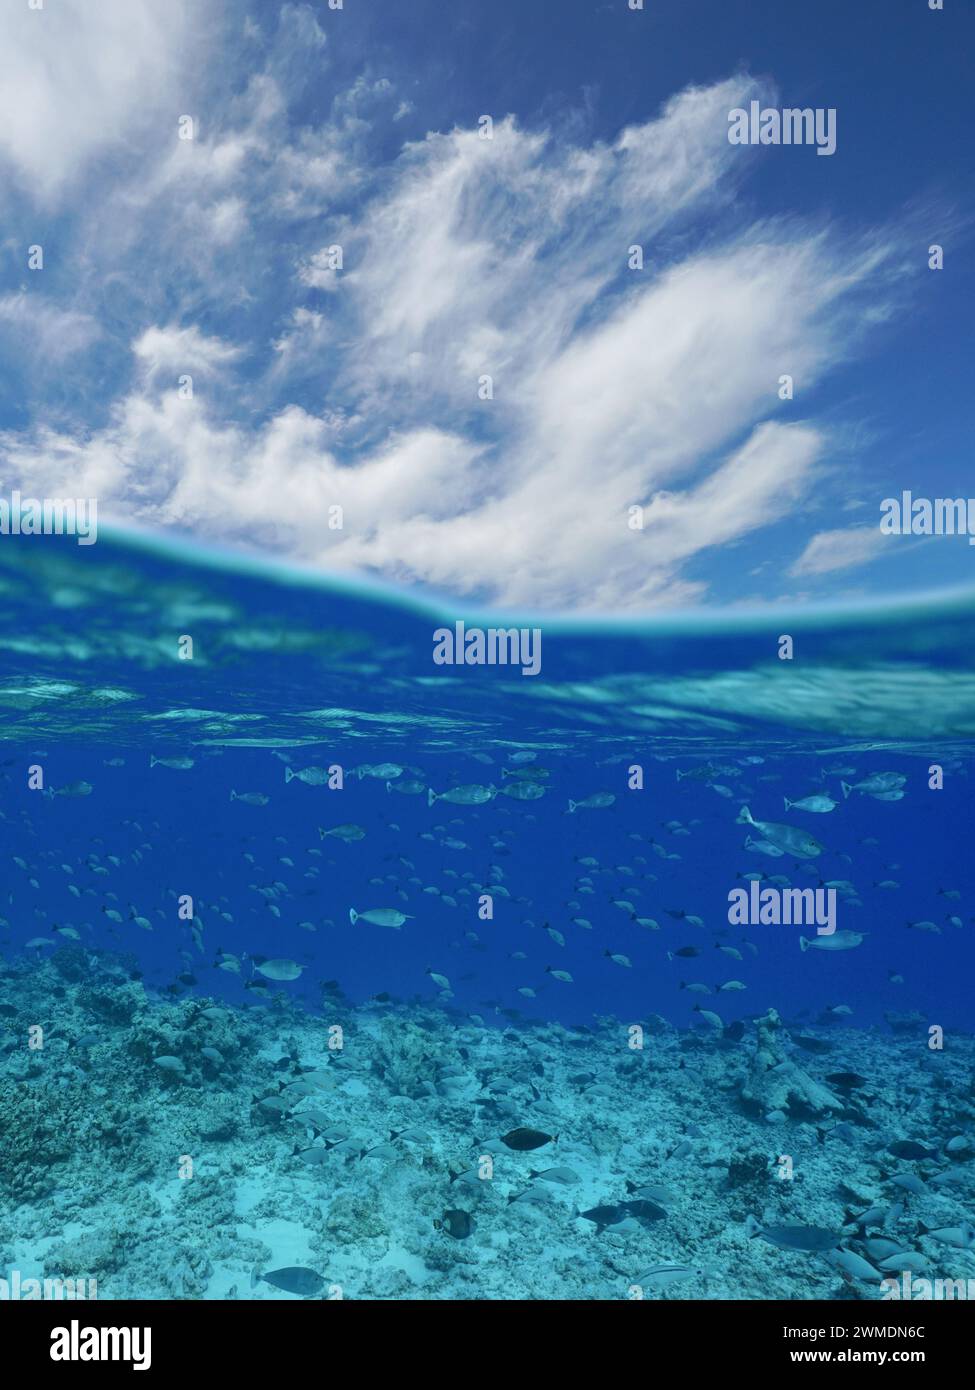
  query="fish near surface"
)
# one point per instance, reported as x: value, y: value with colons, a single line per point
x: 838, y: 941
x: 819, y: 802
x: 597, y: 802
x: 789, y: 838
x: 380, y: 917
x: 473, y: 795
x: 348, y: 833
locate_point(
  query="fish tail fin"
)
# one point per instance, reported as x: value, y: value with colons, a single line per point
x: 152, y: 761
x: 846, y: 789
x: 922, y: 1230
x: 505, y: 772
x: 233, y: 794
x: 744, y: 817
x: 255, y: 1276
x: 353, y: 916
x: 803, y: 943
x: 288, y: 774
x: 788, y: 803
x: 431, y: 796
x: 572, y: 805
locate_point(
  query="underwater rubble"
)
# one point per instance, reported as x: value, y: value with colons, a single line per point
x: 191, y: 1148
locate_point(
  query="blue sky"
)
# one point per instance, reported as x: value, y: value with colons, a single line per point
x: 316, y: 388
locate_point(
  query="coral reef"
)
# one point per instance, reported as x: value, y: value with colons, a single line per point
x: 776, y: 1085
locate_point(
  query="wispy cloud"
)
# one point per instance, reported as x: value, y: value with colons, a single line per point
x: 485, y: 387
x: 840, y: 550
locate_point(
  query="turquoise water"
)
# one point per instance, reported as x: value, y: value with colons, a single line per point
x: 563, y: 968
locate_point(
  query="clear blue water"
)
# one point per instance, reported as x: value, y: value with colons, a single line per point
x: 288, y: 671
x: 324, y: 676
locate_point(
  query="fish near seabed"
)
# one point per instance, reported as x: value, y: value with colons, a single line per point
x: 623, y: 1216
x: 524, y: 1140
x: 810, y: 1239
x: 456, y: 1223
x: 277, y: 969
x: 292, y: 1279
x: 659, y: 1277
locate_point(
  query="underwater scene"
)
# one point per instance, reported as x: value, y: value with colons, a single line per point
x: 331, y: 969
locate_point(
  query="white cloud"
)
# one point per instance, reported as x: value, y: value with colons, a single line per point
x: 175, y: 350
x: 839, y: 550
x: 483, y: 254
x: 612, y: 388
x: 46, y: 330
x: 78, y: 77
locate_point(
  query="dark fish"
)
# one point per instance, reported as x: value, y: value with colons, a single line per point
x: 906, y: 1148
x: 810, y: 1043
x: 611, y: 1214
x: 604, y: 1216
x: 846, y: 1080
x: 456, y: 1223
x: 644, y: 1210
x: 524, y: 1140
x: 292, y: 1279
